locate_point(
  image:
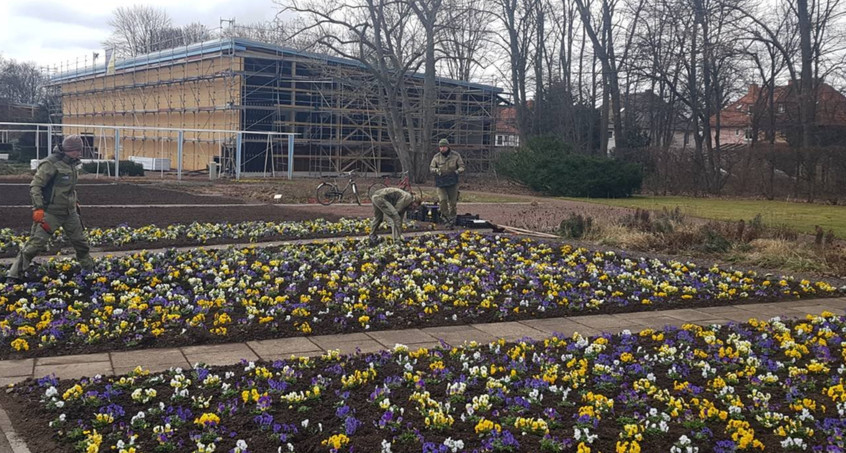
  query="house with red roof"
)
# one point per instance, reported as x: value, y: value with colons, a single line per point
x: 737, y: 121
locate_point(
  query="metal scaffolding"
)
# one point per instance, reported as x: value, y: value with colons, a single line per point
x: 243, y: 85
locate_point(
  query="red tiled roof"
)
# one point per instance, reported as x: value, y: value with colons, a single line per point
x: 831, y: 107
x: 506, y: 121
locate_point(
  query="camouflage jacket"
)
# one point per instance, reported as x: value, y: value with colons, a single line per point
x: 54, y: 186
x: 446, y: 168
x: 398, y: 198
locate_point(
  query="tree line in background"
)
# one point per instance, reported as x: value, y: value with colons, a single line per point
x: 580, y: 71
x: 577, y: 70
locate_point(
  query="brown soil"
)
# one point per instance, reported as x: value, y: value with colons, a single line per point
x: 105, y: 193
x: 529, y: 210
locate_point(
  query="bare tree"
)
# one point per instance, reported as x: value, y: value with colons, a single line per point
x: 21, y: 82
x: 287, y: 33
x: 390, y: 41
x: 517, y: 19
x: 817, y: 27
x: 694, y: 55
x: 466, y: 36
x: 604, y: 48
x: 137, y: 30
x: 195, y: 32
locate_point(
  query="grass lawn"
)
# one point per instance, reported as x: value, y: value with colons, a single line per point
x: 798, y: 216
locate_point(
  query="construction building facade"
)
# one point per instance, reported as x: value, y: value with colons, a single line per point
x: 243, y: 85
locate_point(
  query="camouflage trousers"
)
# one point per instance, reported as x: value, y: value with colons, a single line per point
x: 38, y: 240
x: 381, y: 209
x: 447, y: 199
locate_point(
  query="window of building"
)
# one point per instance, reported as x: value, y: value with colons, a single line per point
x: 507, y: 140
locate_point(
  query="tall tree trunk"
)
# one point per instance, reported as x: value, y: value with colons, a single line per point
x: 604, y: 51
x: 540, y: 47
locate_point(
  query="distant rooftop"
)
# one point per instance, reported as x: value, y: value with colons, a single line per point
x: 233, y: 46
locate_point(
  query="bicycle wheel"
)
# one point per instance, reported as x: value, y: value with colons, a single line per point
x: 355, y: 194
x: 374, y: 187
x: 327, y: 193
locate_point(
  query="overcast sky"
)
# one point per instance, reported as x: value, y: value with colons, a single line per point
x: 49, y: 32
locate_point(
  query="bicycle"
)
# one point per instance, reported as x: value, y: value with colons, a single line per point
x: 404, y: 184
x: 328, y: 192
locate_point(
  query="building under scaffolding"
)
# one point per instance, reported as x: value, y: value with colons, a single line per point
x: 239, y: 84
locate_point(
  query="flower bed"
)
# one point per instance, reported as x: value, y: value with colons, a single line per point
x: 749, y: 387
x: 203, y: 296
x: 201, y: 233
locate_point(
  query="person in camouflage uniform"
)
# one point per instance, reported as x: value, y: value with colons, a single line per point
x: 393, y: 203
x: 447, y: 165
x: 54, y: 205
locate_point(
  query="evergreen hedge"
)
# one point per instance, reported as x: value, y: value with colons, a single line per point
x: 548, y: 165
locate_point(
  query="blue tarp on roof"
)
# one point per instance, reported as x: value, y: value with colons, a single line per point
x: 228, y: 46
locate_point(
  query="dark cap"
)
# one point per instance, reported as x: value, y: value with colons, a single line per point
x: 72, y: 143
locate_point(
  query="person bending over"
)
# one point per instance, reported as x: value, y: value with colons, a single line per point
x: 392, y: 203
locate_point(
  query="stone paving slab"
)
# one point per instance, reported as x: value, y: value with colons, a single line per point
x: 840, y: 302
x: 731, y: 312
x: 161, y: 360
x: 74, y: 370
x: 708, y: 322
x: 275, y: 357
x: 72, y: 359
x: 21, y: 367
x: 610, y: 323
x: 655, y: 321
x: 816, y: 309
x: 10, y: 442
x: 4, y: 381
x: 329, y: 342
x: 510, y: 331
x: 458, y: 335
x: 563, y: 326
x: 687, y: 314
x: 425, y: 344
x: 220, y: 354
x: 390, y: 338
x: 765, y: 313
x: 363, y: 347
x: 283, y: 347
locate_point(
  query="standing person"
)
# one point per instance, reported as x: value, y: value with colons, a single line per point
x: 391, y: 202
x: 447, y: 165
x: 54, y: 205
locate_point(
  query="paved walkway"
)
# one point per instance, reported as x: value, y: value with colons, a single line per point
x: 107, y: 363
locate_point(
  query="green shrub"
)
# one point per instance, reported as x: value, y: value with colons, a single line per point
x: 548, y: 165
x: 714, y: 239
x: 575, y: 226
x: 127, y: 168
